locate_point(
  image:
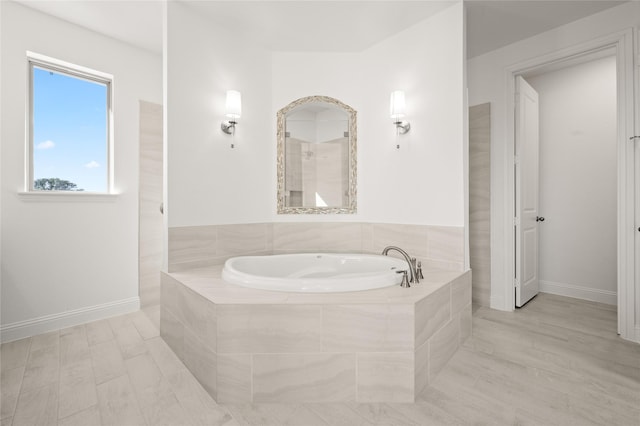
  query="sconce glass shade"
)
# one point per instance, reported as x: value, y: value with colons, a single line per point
x: 233, y: 108
x: 397, y: 105
x: 397, y: 111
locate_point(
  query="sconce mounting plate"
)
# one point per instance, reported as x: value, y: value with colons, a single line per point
x: 229, y: 127
x: 402, y: 126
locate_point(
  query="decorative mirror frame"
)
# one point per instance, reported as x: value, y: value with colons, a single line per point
x: 353, y: 161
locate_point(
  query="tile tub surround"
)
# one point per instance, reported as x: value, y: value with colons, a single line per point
x: 191, y: 247
x: 247, y: 345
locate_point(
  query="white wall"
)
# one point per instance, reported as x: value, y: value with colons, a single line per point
x: 422, y: 182
x: 209, y: 182
x: 66, y: 260
x: 578, y: 180
x: 487, y: 83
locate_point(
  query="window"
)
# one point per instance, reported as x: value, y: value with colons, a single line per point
x: 69, y: 127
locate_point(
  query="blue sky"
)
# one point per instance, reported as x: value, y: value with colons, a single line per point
x: 70, y: 130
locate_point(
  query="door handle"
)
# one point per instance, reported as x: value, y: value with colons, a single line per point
x: 539, y: 219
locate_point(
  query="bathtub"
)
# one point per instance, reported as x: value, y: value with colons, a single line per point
x: 314, y: 272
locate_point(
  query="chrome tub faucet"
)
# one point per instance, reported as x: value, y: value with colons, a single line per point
x: 415, y: 271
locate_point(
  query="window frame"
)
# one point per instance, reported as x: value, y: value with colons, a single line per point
x: 75, y: 71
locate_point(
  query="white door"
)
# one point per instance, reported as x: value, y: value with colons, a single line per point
x: 526, y: 183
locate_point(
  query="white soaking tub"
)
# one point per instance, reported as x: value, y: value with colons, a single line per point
x: 314, y: 272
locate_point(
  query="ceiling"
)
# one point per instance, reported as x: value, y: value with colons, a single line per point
x: 137, y: 22
x: 494, y: 24
x: 338, y: 26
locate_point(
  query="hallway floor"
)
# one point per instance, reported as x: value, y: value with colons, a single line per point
x: 557, y: 361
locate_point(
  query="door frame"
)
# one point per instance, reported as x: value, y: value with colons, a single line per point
x: 623, y: 43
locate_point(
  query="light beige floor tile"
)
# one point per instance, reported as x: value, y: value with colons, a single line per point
x: 596, y: 414
x: 426, y: 414
x: 154, y: 394
x: 555, y: 362
x: 8, y: 405
x: 150, y: 386
x: 167, y: 361
x: 276, y: 414
x: 117, y: 403
x: 384, y: 414
x: 107, y: 361
x: 43, y: 367
x: 44, y: 353
x: 46, y: 340
x: 458, y: 373
x: 304, y: 416
x: 385, y: 377
x: 127, y: 336
x: 197, y: 403
x: 77, y: 390
x: 169, y: 413
x: 339, y: 414
x: 37, y: 407
x: 550, y: 405
x: 248, y: 414
x: 10, y: 383
x: 144, y: 326
x: 99, y: 332
x: 74, y: 345
x: 14, y: 354
x: 477, y: 408
x: 88, y: 417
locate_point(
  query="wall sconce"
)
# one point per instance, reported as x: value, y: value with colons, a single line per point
x: 397, y: 107
x: 233, y: 110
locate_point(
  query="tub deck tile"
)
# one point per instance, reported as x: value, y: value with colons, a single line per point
x: 247, y: 346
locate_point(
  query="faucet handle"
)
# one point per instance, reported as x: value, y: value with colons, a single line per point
x: 419, y: 271
x: 405, y: 279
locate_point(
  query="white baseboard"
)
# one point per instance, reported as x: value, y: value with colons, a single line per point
x: 579, y: 292
x: 32, y: 327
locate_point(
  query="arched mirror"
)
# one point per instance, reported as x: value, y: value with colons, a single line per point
x: 316, y: 157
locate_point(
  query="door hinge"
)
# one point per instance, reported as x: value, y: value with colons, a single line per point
x: 516, y: 283
x: 516, y: 221
x: 516, y: 159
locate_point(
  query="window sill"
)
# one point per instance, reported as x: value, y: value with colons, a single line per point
x: 66, y: 196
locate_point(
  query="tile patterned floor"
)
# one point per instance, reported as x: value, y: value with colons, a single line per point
x: 557, y: 361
